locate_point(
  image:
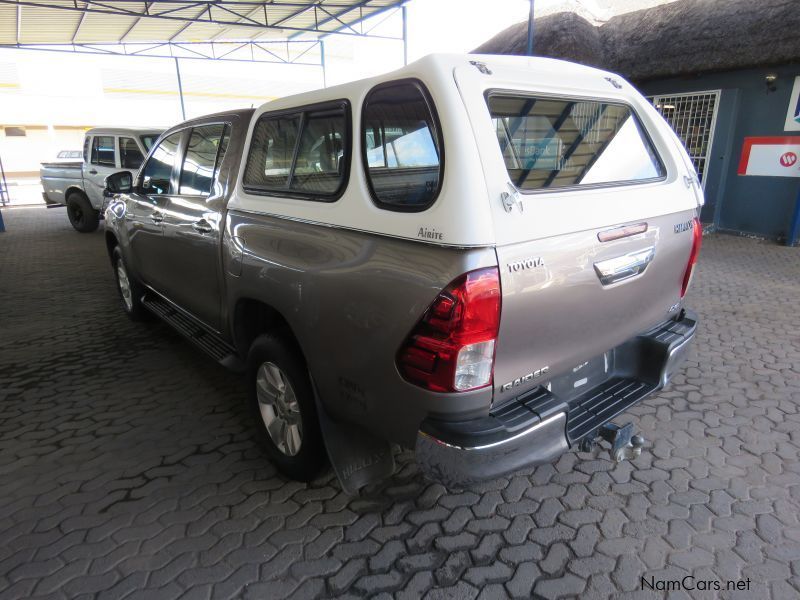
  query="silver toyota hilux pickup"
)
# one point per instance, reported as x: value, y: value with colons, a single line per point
x: 481, y: 258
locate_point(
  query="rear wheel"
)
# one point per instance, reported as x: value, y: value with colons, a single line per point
x: 130, y: 291
x: 283, y: 407
x: 82, y: 216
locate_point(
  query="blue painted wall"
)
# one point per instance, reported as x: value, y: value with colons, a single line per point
x: 759, y: 205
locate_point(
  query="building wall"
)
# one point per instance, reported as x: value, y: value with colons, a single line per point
x: 758, y: 205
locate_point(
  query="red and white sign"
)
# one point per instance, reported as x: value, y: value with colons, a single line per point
x: 771, y: 156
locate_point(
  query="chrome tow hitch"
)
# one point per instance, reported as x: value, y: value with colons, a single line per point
x: 625, y: 445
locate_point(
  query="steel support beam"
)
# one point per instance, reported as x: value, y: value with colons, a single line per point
x: 225, y: 12
x: 333, y: 17
x: 258, y: 51
x: 360, y: 20
x: 135, y: 23
x: 78, y: 27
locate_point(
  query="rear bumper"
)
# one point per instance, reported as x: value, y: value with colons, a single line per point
x: 542, y: 423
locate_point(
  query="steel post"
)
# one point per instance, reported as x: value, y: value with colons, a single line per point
x: 322, y: 63
x: 180, y: 88
x: 530, y: 31
x: 404, y: 10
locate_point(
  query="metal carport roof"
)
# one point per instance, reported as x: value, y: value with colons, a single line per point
x: 267, y: 31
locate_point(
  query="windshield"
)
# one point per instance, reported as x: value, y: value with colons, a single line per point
x: 551, y: 143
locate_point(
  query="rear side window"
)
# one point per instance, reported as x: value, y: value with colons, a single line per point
x: 103, y: 151
x: 271, y: 153
x: 86, y: 148
x: 202, y: 156
x: 148, y: 140
x: 304, y: 154
x: 403, y: 150
x: 130, y: 157
x: 157, y: 172
x: 554, y: 143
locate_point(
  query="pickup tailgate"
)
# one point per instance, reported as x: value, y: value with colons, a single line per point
x: 57, y: 177
x: 562, y: 308
x: 592, y: 206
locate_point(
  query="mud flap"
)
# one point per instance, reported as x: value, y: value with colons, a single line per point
x: 358, y: 457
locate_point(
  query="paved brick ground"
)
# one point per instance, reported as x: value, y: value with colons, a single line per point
x: 127, y: 467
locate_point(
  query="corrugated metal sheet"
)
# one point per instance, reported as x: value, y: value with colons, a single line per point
x: 8, y: 24
x: 38, y: 22
x: 102, y: 28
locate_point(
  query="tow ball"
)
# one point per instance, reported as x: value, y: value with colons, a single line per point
x: 624, y: 444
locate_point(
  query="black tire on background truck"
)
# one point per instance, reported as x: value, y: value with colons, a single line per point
x: 81, y: 215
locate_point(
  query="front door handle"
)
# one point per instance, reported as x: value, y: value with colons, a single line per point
x: 156, y: 216
x: 92, y: 172
x: 620, y: 268
x: 202, y: 226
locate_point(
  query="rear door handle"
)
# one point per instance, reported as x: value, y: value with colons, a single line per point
x: 156, y: 216
x: 202, y: 226
x: 620, y: 268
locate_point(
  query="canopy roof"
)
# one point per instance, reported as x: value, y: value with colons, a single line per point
x: 95, y: 23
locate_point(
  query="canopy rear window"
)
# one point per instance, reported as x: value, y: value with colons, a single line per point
x: 554, y: 143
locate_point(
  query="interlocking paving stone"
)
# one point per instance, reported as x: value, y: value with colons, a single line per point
x: 128, y: 467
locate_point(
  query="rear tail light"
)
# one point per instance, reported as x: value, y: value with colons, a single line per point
x: 697, y: 241
x: 451, y: 349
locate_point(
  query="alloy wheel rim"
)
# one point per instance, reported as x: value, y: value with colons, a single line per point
x: 124, y: 286
x: 279, y: 408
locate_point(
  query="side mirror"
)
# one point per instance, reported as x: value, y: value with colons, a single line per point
x: 118, y: 183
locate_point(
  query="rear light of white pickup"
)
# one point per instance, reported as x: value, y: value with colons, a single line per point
x: 697, y: 241
x: 451, y: 349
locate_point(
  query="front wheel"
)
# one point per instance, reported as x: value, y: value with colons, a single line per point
x: 82, y: 216
x: 283, y: 407
x: 130, y: 292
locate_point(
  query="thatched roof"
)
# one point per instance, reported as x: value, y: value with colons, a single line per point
x: 680, y: 38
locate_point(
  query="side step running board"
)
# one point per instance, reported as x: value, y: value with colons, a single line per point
x: 208, y: 341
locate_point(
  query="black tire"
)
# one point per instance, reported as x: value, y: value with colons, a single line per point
x: 132, y: 300
x: 308, y: 461
x: 82, y: 216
